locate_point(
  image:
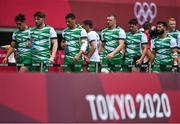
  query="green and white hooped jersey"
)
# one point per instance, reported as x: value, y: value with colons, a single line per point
x: 111, y: 38
x: 41, y: 42
x: 175, y: 34
x: 73, y: 39
x: 93, y: 36
x: 134, y: 43
x: 21, y: 38
x: 163, y: 48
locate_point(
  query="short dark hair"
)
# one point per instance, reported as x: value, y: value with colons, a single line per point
x: 39, y: 14
x: 162, y: 22
x: 133, y: 21
x: 70, y: 15
x: 147, y: 25
x: 88, y: 22
x: 20, y: 17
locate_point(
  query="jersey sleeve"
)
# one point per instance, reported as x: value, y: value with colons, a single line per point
x: 178, y: 41
x: 173, y: 43
x: 14, y: 37
x: 62, y: 34
x: 53, y: 34
x: 92, y: 36
x: 144, y: 39
x: 83, y: 33
x: 122, y: 35
x: 102, y: 37
x: 152, y: 45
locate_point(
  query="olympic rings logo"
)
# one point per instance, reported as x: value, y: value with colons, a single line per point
x: 145, y: 12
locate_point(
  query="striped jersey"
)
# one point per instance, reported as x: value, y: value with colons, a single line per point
x: 175, y: 34
x: 134, y: 43
x: 21, y: 38
x: 111, y: 38
x: 73, y: 39
x: 41, y: 42
x: 163, y: 48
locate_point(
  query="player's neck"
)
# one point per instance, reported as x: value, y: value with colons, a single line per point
x: 112, y: 27
x: 135, y: 31
x: 164, y: 35
x: 40, y: 26
x: 73, y: 26
x: 172, y: 30
x: 24, y: 28
x: 89, y: 30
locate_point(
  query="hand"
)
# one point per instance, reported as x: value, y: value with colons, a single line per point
x: 75, y: 58
x: 87, y: 60
x: 5, y: 60
x: 139, y: 62
x: 110, y: 55
x: 51, y: 60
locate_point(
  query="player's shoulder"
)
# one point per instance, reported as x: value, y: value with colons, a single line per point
x: 16, y: 31
x: 92, y: 33
x: 119, y: 28
x: 156, y: 39
x: 66, y: 29
x: 104, y: 30
x: 33, y: 28
x: 48, y: 27
x: 170, y: 37
x: 128, y: 33
x: 79, y: 26
x: 141, y: 33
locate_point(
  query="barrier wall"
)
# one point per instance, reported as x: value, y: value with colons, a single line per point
x: 70, y: 98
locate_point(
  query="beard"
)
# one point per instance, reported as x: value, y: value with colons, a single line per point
x: 160, y: 32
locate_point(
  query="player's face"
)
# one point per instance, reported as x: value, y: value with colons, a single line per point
x: 133, y: 28
x: 86, y: 27
x: 20, y: 25
x: 70, y: 22
x: 160, y: 29
x: 39, y: 21
x: 172, y: 25
x: 111, y: 21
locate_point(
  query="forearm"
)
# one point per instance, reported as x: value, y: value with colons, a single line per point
x: 79, y: 53
x: 144, y: 52
x: 10, y: 50
x: 91, y: 52
x: 54, y: 49
x: 118, y: 49
x: 175, y: 56
x: 101, y: 48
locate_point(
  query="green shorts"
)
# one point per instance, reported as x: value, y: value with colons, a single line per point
x: 42, y: 67
x: 130, y: 63
x: 22, y: 60
x: 71, y: 66
x: 93, y: 66
x: 112, y: 65
x: 161, y: 68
